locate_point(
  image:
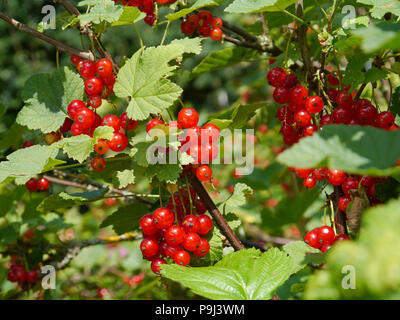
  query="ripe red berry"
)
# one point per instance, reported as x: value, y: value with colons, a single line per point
x: 194, y: 20
x: 87, y: 68
x: 281, y: 95
x: 325, y: 247
x: 156, y: 265
x: 98, y: 164
x: 85, y: 118
x: 343, y: 202
x: 148, y: 225
x: 205, y: 224
x: 366, y: 114
x: 203, y: 248
x: 204, y: 173
x: 314, y: 104
x: 333, y: 79
x: 74, y: 107
x: 163, y: 218
x: 200, y: 207
x: 12, y: 277
x: 76, y: 129
x: 95, y: 101
x: 302, y: 173
x: 341, y: 115
x: 325, y: 235
x: 344, y: 99
x: 385, y: 119
x: 32, y: 276
x: 191, y: 223
x: 152, y: 123
x: 332, y: 94
x: 204, y: 30
x: 290, y: 80
x: 216, y: 34
x: 119, y: 142
x: 319, y: 174
x: 205, y: 15
x: 174, y: 235
x: 101, y: 147
x: 32, y: 184
x: 191, y: 241
x: 149, y: 247
x: 309, y: 182
x: 27, y: 144
x: 216, y: 22
x: 43, y: 184
x: 302, y: 118
x: 350, y: 184
x: 341, y: 237
x: 75, y: 59
x: 311, y: 238
x: 168, y: 250
x: 276, y: 77
x: 104, y: 68
x: 336, y: 177
x: 93, y: 86
x: 187, y: 27
x: 209, y: 133
x: 182, y: 258
x: 309, y: 130
x: 188, y: 117
x: 111, y: 120
x: 128, y: 124
x: 298, y: 95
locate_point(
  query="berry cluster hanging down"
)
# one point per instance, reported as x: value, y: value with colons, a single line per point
x: 323, y: 238
x: 205, y: 24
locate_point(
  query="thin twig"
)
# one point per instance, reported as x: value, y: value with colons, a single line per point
x: 59, y: 45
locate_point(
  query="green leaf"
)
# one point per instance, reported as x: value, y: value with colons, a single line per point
x: 165, y: 172
x: 9, y: 234
x: 298, y: 250
x: 125, y: 178
x: 221, y: 59
x: 126, y: 218
x: 250, y: 6
x: 9, y: 197
x: 395, y: 106
x: 143, y: 79
x: 105, y: 10
x: 354, y: 149
x: 26, y: 163
x: 354, y: 74
x: 374, y: 74
x: 197, y: 5
x: 12, y: 136
x: 237, y: 199
x: 372, y: 260
x: 381, y: 7
x: 65, y: 200
x: 46, y: 98
x: 130, y: 15
x: 190, y: 45
x: 242, y: 275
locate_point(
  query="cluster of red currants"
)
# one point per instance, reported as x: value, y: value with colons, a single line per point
x: 20, y: 275
x: 323, y: 238
x: 41, y: 184
x: 198, y: 142
x: 301, y: 115
x: 207, y: 25
x: 167, y: 236
x: 146, y: 6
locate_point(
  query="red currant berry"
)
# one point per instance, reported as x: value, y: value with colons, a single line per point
x: 366, y: 115
x: 182, y: 258
x: 150, y: 19
x: 174, y: 235
x: 350, y: 184
x: 93, y: 86
x: 101, y: 147
x: 127, y: 124
x: 276, y: 77
x: 341, y: 237
x: 302, y: 118
x: 326, y: 119
x: 85, y: 118
x: 95, y: 101
x: 27, y: 144
x: 333, y: 79
x: 32, y: 185
x: 311, y: 238
x: 319, y: 174
x: 309, y: 182
x: 156, y: 265
x: 191, y: 241
x: 188, y: 117
x: 205, y: 224
x: 343, y: 202
x: 385, y: 119
x: 341, y: 115
x: 205, y: 15
x: 12, y: 277
x: 43, y: 184
x: 118, y: 143
x: 204, y: 31
x: 281, y: 95
x: 298, y: 95
x: 163, y: 218
x: 87, y: 68
x: 314, y: 104
x: 332, y: 94
x: 290, y: 80
x: 149, y: 247
x: 76, y: 129
x: 336, y: 177
x: 104, y: 68
x: 75, y: 59
x: 98, y: 164
x: 216, y: 34
x: 204, y: 173
x: 309, y: 130
x: 148, y: 225
x: 74, y: 107
x: 187, y: 28
x: 32, y: 276
x: 203, y: 248
x: 326, y: 235
x: 152, y: 123
x: 325, y: 247
x: 170, y: 251
x: 52, y: 137
x: 111, y: 120
x: 209, y: 133
x: 191, y: 223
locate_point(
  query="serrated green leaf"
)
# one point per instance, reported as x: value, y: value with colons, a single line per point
x: 354, y: 149
x: 242, y: 275
x: 76, y: 147
x: 130, y: 15
x: 143, y: 80
x: 197, y: 5
x: 46, y: 98
x: 19, y: 167
x: 103, y: 132
x: 126, y: 218
x: 165, y: 172
x: 374, y: 74
x: 100, y: 11
x: 381, y: 7
x: 354, y: 74
x: 125, y: 178
x: 298, y: 250
x: 237, y: 199
x: 12, y: 136
x: 190, y: 45
x: 65, y: 200
x: 250, y: 6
